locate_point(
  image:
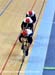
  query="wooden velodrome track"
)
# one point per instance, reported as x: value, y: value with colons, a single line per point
x: 12, y: 12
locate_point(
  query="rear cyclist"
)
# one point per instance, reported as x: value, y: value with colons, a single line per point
x: 32, y: 15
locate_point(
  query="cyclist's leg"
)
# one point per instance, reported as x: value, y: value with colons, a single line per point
x: 29, y: 43
x: 21, y: 39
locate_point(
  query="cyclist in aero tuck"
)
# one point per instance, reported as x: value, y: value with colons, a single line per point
x: 27, y: 23
x: 26, y: 34
x: 32, y: 15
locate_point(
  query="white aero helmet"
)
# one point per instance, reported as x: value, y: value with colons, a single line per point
x: 31, y: 13
x: 28, y: 20
x: 26, y: 32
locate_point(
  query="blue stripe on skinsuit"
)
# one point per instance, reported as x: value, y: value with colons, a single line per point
x: 39, y: 50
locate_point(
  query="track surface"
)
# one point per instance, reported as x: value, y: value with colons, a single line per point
x: 10, y: 21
